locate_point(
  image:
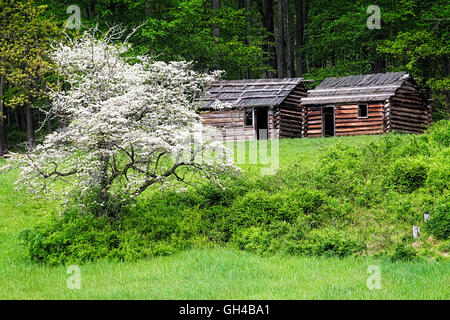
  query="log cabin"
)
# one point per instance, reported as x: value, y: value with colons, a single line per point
x: 365, y: 104
x: 260, y: 109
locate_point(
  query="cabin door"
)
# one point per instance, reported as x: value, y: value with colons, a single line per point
x: 329, y: 126
x: 262, y: 123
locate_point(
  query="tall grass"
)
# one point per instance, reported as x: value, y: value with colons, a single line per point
x: 228, y: 274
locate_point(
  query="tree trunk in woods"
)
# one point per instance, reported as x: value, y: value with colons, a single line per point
x: 266, y: 11
x: 280, y: 43
x: 299, y: 35
x: 21, y: 118
x: 248, y: 8
x: 30, y: 127
x: 305, y: 19
x: 148, y: 8
x: 215, y: 6
x: 3, y: 144
x: 215, y: 32
x: 288, y: 41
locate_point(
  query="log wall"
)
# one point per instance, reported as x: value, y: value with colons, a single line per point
x: 289, y: 115
x: 231, y: 124
x: 347, y: 122
x: 312, y: 122
x: 410, y: 111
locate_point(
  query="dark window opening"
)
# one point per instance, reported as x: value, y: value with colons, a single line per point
x: 248, y: 118
x: 363, y: 111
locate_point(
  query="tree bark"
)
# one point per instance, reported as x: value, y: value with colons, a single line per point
x: 30, y: 127
x: 266, y: 12
x: 215, y: 32
x: 248, y: 8
x: 288, y: 41
x: 280, y: 43
x: 305, y: 38
x: 299, y: 36
x: 3, y: 144
x: 215, y: 6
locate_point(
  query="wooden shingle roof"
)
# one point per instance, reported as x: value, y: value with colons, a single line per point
x: 360, y: 88
x: 250, y: 93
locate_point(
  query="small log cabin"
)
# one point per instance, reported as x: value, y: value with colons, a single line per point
x: 261, y: 109
x: 365, y: 104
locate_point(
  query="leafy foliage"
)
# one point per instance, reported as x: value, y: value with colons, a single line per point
x: 340, y: 207
x: 127, y: 126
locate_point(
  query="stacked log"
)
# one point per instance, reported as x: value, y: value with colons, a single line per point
x: 230, y: 123
x: 409, y: 110
x: 386, y: 116
x: 313, y: 122
x: 304, y: 123
x: 348, y: 123
x: 291, y: 114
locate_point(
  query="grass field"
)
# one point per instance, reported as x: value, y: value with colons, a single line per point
x: 209, y: 273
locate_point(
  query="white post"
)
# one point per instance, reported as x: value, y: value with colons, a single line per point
x: 416, y: 232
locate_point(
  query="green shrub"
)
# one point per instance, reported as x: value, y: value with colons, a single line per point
x: 445, y: 246
x: 260, y: 207
x: 439, y: 223
x: 16, y: 136
x: 438, y: 179
x: 440, y: 133
x: 254, y: 239
x: 72, y: 238
x: 374, y: 192
x: 407, y: 175
x: 403, y: 251
x: 141, y: 231
x: 329, y: 242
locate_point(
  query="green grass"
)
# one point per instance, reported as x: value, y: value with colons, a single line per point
x: 214, y: 273
x: 303, y: 151
x: 227, y: 274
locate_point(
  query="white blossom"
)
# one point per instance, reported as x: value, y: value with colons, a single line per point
x: 126, y: 124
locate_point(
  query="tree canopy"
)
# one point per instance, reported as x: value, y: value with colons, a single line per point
x: 246, y: 39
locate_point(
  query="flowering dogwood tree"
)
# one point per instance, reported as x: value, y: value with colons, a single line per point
x: 125, y: 125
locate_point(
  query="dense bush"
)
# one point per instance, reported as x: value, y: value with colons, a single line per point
x: 356, y: 200
x: 403, y: 251
x: 407, y: 175
x: 439, y: 223
x: 81, y: 238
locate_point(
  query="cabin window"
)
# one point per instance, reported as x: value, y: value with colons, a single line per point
x: 248, y: 118
x: 363, y: 111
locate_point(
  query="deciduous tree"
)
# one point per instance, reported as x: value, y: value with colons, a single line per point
x: 128, y: 125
